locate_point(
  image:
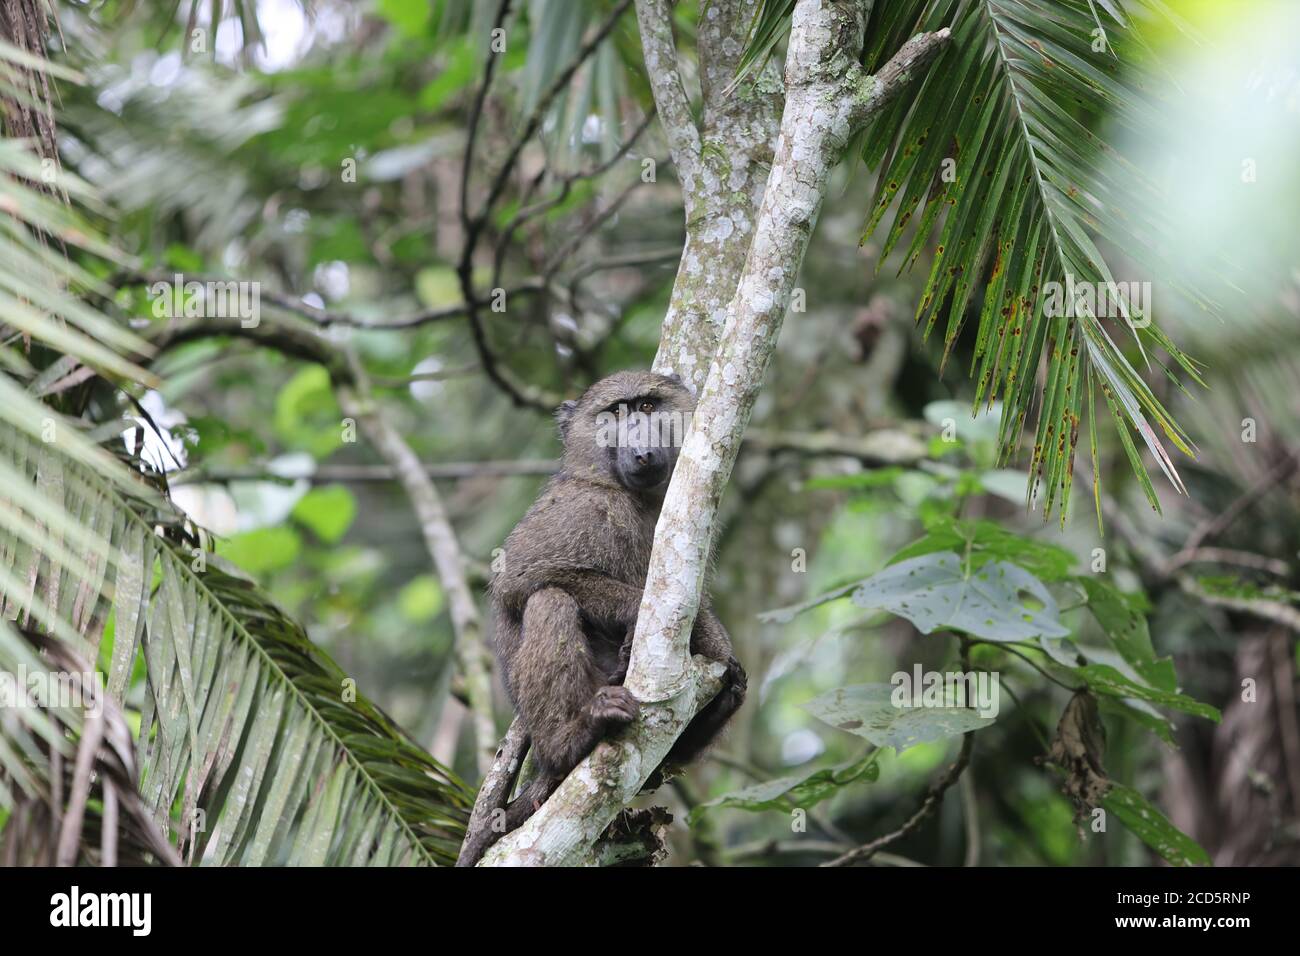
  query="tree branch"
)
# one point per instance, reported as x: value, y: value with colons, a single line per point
x: 874, y: 92
x: 522, y: 394
x: 894, y: 445
x: 655, y: 19
x: 737, y: 136
x: 1242, y: 559
x: 1214, y: 527
x: 440, y: 539
x: 933, y: 797
x: 359, y: 474
x: 533, y: 123
x: 823, y: 106
x: 493, y: 794
x: 883, y: 446
x: 325, y: 318
x: 528, y: 212
x: 475, y: 115
x: 565, y: 829
x: 1263, y: 607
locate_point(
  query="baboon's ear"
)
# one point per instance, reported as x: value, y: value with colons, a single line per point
x: 564, y: 416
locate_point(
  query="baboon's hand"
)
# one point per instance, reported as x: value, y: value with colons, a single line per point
x: 735, y: 682
x: 614, y: 705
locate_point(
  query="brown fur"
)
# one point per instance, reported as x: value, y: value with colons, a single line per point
x: 567, y: 597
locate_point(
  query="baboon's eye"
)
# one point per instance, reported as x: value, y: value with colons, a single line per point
x: 647, y: 406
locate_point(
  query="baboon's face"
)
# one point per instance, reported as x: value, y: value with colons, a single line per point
x: 643, y: 457
x: 629, y: 426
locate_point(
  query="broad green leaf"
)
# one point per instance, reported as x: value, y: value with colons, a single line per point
x: 421, y: 599
x: 1126, y: 626
x: 412, y: 17
x: 1106, y: 680
x: 306, y: 414
x: 869, y: 710
x: 998, y: 601
x: 262, y: 550
x: 798, y: 791
x: 1150, y: 825
x: 985, y: 541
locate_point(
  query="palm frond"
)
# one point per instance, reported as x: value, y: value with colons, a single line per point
x: 40, y: 284
x: 254, y: 746
x: 1011, y: 112
x: 67, y: 766
x: 771, y: 24
x: 169, y: 150
x: 593, y: 109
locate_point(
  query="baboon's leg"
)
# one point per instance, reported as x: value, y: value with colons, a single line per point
x: 514, y: 815
x: 530, y: 798
x: 561, y: 693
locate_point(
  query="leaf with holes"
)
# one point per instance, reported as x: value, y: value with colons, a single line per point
x: 869, y: 710
x: 939, y: 590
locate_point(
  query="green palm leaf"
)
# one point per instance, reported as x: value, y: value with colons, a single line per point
x: 254, y: 747
x: 1011, y: 112
x: 771, y: 23
x: 67, y: 771
x: 544, y: 39
x: 150, y: 153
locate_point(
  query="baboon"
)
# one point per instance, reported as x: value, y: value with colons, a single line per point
x: 567, y: 597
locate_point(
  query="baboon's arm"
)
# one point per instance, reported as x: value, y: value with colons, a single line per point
x: 609, y: 602
x: 709, y: 637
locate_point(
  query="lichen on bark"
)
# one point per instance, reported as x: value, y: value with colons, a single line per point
x: 737, y: 135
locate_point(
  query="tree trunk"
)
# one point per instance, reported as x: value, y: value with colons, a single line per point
x: 828, y: 98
